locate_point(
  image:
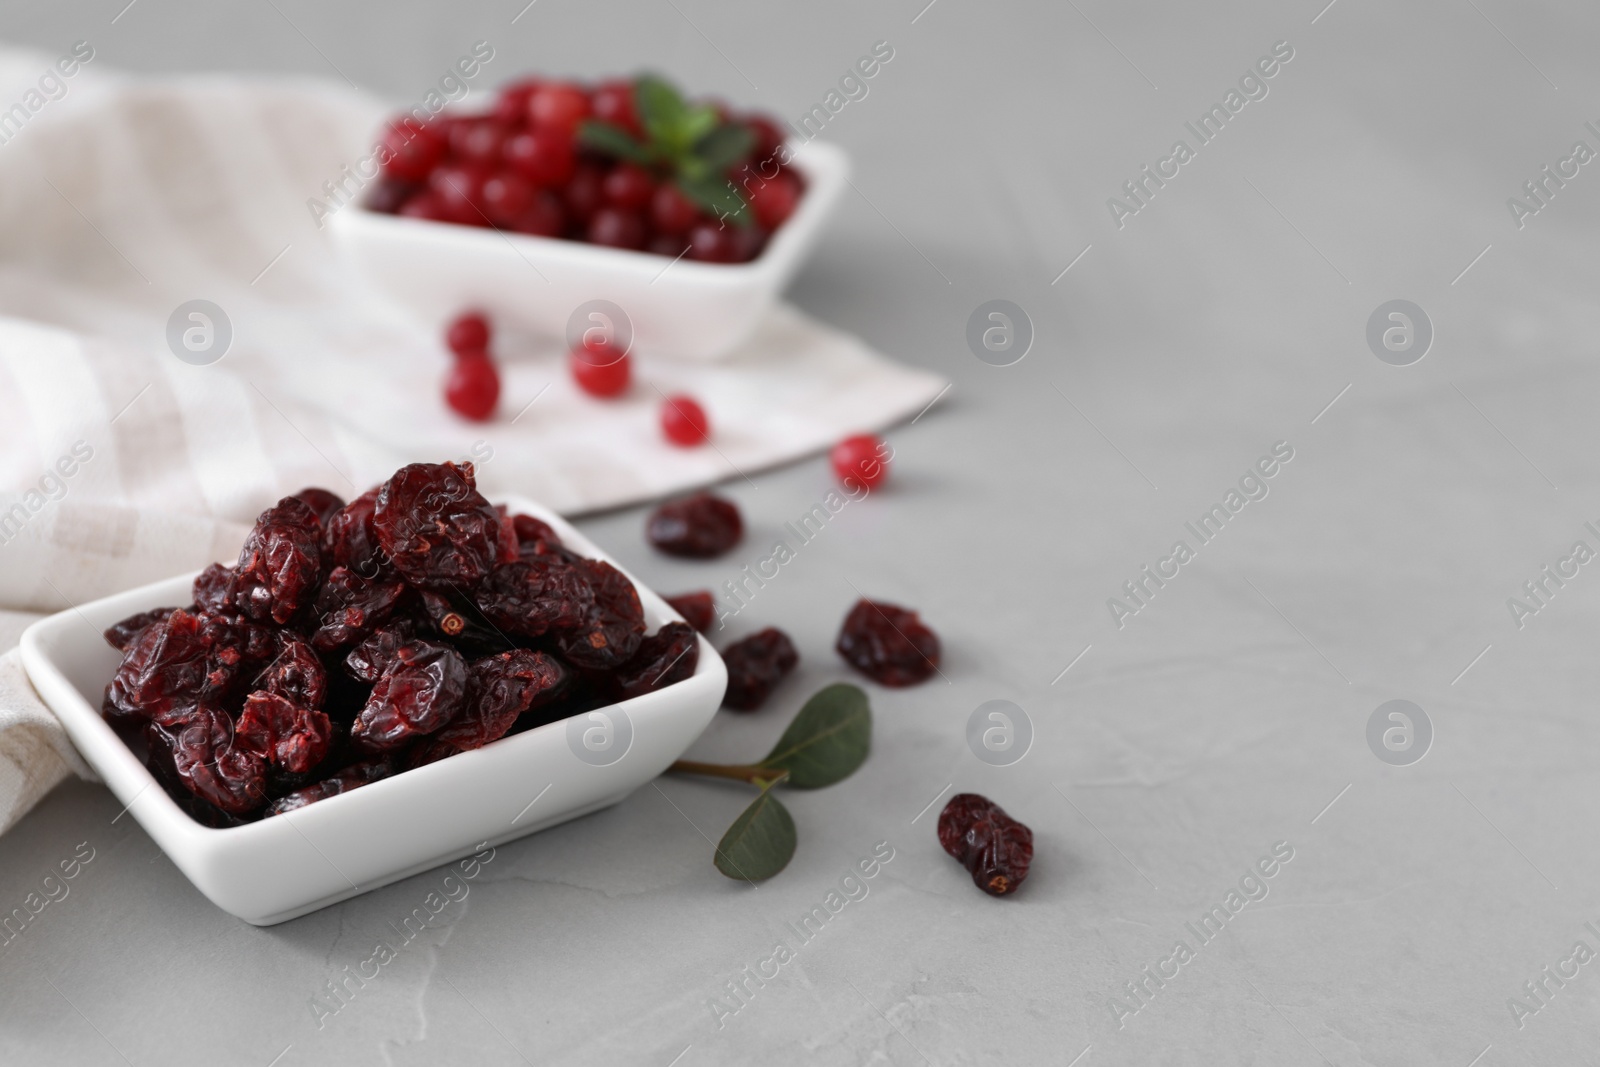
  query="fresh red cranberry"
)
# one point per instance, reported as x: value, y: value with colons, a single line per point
x: 712, y: 242
x: 628, y: 186
x: 467, y: 333
x: 545, y: 157
x: 773, y: 201
x: 424, y: 205
x: 617, y: 228
x: 545, y: 216
x: 507, y: 196
x: 412, y: 149
x: 860, y: 460
x: 511, y: 105
x: 684, y: 421
x: 748, y: 241
x: 601, y: 370
x: 558, y: 106
x: 769, y: 137
x: 389, y: 195
x: 613, y: 102
x: 670, y: 211
x: 477, y: 139
x: 582, y: 196
x: 459, y: 187
x: 473, y: 386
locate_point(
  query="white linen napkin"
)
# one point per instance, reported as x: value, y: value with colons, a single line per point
x: 123, y: 198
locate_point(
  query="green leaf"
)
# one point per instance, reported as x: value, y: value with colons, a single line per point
x: 661, y: 109
x: 613, y: 140
x: 724, y: 146
x: 760, y: 842
x: 827, y: 741
x: 716, y: 195
x: 697, y: 122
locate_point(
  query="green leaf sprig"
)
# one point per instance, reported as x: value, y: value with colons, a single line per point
x: 687, y: 143
x: 825, y: 743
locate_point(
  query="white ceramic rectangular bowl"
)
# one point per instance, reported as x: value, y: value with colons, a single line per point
x: 285, y: 866
x: 688, y: 310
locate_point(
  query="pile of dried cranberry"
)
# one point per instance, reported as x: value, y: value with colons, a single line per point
x: 355, y: 641
x: 627, y: 164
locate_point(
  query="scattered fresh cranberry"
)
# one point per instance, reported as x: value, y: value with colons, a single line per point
x: 697, y: 607
x: 616, y: 228
x: 413, y: 149
x: 774, y: 201
x: 507, y: 197
x: 601, y: 369
x: 477, y: 140
x: 467, y: 332
x: 888, y: 644
x: 582, y: 195
x: 671, y: 212
x: 995, y: 848
x: 860, y: 460
x: 511, y: 105
x: 613, y: 102
x: 755, y: 666
x: 558, y: 106
x: 697, y: 527
x: 712, y: 242
x: 545, y: 216
x: 472, y: 387
x: 684, y: 421
x: 628, y: 186
x: 544, y: 157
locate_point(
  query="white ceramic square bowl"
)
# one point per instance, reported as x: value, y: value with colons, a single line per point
x: 688, y: 310
x: 287, y: 865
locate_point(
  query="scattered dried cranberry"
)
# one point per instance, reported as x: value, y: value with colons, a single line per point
x: 684, y: 421
x: 468, y: 332
x: 862, y: 460
x: 120, y: 635
x: 600, y: 369
x: 280, y: 565
x: 697, y: 607
x: 198, y: 744
x: 321, y: 501
x: 888, y: 644
x: 472, y: 387
x: 350, y: 778
x: 282, y: 732
x: 995, y: 848
x: 699, y: 527
x: 435, y: 526
x: 423, y: 687
x: 755, y: 666
x: 666, y: 657
x: 612, y: 628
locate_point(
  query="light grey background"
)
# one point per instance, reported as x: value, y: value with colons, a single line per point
x: 1225, y: 717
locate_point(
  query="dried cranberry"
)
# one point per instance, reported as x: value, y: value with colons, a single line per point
x: 502, y: 688
x: 349, y: 608
x: 462, y: 623
x: 888, y: 644
x: 182, y: 660
x: 281, y: 563
x: 349, y: 539
x: 534, y: 536
x: 665, y: 658
x: 286, y: 734
x: 213, y: 589
x: 697, y: 607
x: 537, y: 595
x: 372, y: 657
x: 756, y: 665
x: 995, y: 848
x: 699, y: 527
x: 423, y: 687
x: 321, y: 501
x: 124, y: 633
x: 350, y: 778
x: 613, y: 627
x: 435, y: 526
x: 295, y: 672
x: 199, y: 741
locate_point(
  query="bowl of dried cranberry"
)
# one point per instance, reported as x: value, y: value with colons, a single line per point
x: 376, y: 688
x: 689, y: 218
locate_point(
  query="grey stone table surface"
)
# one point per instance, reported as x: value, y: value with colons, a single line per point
x: 1421, y: 912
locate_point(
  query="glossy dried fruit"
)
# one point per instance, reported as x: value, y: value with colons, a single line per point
x: 200, y: 745
x: 350, y: 540
x: 698, y: 527
x: 755, y: 666
x: 284, y: 733
x: 888, y: 644
x: 668, y: 656
x: 423, y: 687
x: 612, y: 628
x: 120, y: 635
x: 294, y: 671
x: 535, y: 537
x: 995, y: 848
x: 351, y: 777
x: 699, y: 608
x: 461, y: 623
x: 321, y: 501
x: 349, y: 608
x: 502, y: 688
x: 368, y: 660
x: 213, y: 589
x: 182, y: 660
x: 434, y: 525
x: 280, y: 565
x: 537, y: 595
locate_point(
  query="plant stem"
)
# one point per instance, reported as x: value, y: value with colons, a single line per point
x: 750, y: 772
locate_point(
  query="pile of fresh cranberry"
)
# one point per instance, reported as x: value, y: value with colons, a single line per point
x: 355, y: 641
x: 627, y: 164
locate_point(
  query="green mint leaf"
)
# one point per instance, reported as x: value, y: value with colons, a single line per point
x: 716, y: 195
x: 661, y: 109
x: 827, y: 741
x: 697, y: 122
x: 613, y: 140
x: 724, y: 146
x: 761, y: 840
